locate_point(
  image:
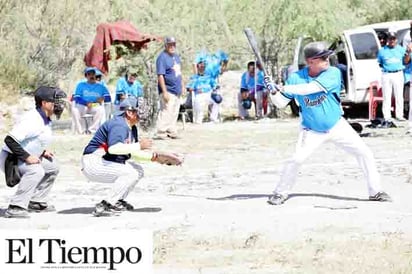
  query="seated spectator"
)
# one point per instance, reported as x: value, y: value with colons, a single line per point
x: 204, y: 93
x: 89, y: 98
x: 128, y: 86
x: 247, y: 93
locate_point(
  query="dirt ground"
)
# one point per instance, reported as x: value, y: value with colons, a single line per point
x: 211, y: 215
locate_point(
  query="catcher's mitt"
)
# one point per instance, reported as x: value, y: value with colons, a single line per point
x: 170, y: 159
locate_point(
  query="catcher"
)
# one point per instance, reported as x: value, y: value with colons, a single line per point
x: 108, y: 157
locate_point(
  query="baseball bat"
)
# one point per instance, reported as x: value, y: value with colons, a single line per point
x: 253, y: 44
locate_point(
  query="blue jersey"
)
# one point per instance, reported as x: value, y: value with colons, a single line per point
x: 391, y: 59
x: 89, y: 93
x: 322, y: 110
x: 248, y: 82
x: 201, y: 83
x: 170, y: 67
x: 123, y: 87
x: 113, y: 131
x: 407, y: 72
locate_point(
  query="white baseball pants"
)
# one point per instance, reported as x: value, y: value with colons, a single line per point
x: 392, y: 81
x: 78, y: 111
x: 200, y: 102
x: 343, y: 136
x: 124, y: 177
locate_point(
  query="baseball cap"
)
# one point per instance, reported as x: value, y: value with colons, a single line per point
x: 129, y: 103
x: 98, y: 72
x: 316, y: 50
x: 391, y: 34
x: 223, y: 56
x: 169, y: 40
x: 91, y: 69
x: 132, y: 71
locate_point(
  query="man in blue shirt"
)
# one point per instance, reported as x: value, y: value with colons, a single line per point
x: 316, y: 90
x: 390, y: 59
x: 170, y: 86
x: 201, y: 86
x: 128, y: 85
x: 89, y: 98
x: 251, y: 89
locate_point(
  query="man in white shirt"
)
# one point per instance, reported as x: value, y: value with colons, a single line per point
x: 26, y: 145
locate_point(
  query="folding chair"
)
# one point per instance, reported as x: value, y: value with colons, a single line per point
x: 375, y: 96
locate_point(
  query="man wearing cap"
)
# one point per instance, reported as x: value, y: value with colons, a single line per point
x: 89, y: 98
x: 391, y: 60
x: 26, y: 147
x: 316, y: 90
x: 170, y: 86
x: 128, y: 85
x: 111, y: 155
x: 202, y: 86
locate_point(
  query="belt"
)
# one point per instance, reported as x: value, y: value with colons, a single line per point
x: 393, y: 71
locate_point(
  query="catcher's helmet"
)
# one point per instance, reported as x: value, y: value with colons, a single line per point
x: 51, y: 94
x: 217, y: 98
x: 247, y: 104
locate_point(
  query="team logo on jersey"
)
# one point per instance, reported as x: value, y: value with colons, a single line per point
x: 315, y: 102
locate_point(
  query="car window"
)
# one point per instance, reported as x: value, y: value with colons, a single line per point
x: 364, y: 45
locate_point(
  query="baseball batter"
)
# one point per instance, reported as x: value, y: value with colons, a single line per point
x: 316, y: 89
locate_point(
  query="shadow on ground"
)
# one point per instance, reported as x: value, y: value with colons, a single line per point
x: 89, y: 210
x: 291, y: 196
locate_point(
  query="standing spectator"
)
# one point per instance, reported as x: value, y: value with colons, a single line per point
x: 170, y: 86
x: 89, y: 98
x: 202, y: 86
x: 408, y: 61
x: 383, y: 38
x: 390, y: 59
x: 127, y: 86
x: 316, y: 88
x: 26, y: 146
x: 216, y: 64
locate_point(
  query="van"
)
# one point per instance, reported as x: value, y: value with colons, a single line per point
x: 356, y: 55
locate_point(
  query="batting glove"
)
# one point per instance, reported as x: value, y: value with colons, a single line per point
x: 270, y: 85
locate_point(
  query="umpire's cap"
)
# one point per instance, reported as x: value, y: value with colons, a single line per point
x: 48, y: 94
x: 129, y: 103
x: 316, y: 50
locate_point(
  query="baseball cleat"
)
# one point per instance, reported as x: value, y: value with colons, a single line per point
x: 122, y: 205
x: 40, y: 207
x: 380, y: 197
x: 277, y: 199
x: 105, y: 209
x: 14, y: 211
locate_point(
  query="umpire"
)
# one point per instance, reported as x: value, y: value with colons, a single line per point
x: 25, y: 153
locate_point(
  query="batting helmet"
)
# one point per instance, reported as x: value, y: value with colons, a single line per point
x: 217, y: 98
x: 247, y: 104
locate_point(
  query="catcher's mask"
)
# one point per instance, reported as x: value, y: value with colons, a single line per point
x: 51, y: 94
